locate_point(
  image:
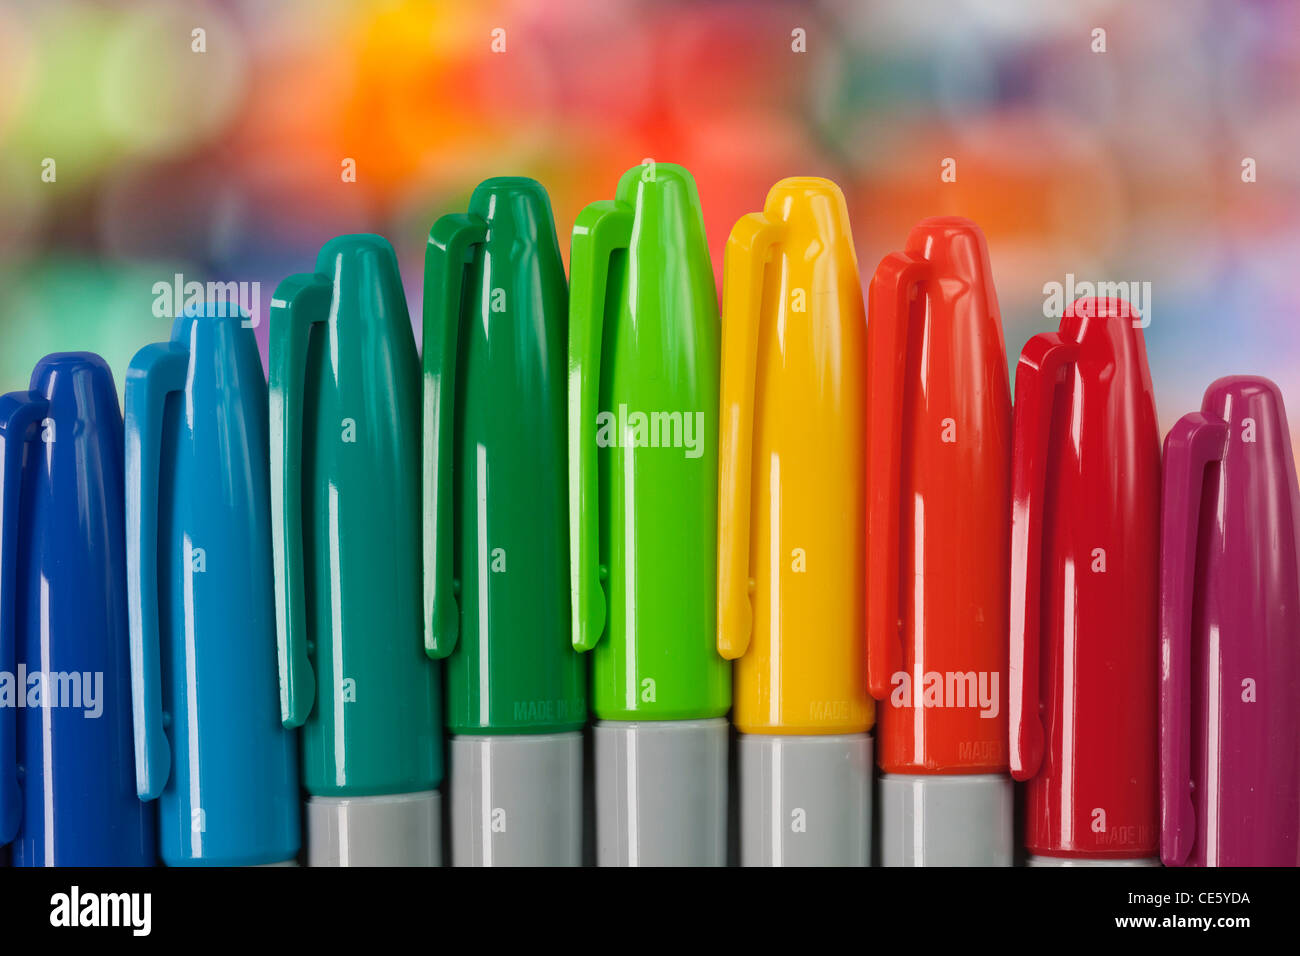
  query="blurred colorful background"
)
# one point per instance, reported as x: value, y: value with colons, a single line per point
x: 226, y: 164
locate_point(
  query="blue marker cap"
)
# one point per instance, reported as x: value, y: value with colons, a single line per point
x: 209, y: 745
x: 67, y: 797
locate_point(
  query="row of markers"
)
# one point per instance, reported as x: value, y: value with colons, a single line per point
x: 234, y: 596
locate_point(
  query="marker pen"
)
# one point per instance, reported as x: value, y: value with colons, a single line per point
x: 1230, y: 633
x: 643, y: 415
x: 67, y: 791
x: 792, y: 529
x: 209, y: 746
x: 495, y: 530
x: 345, y: 500
x: 938, y: 515
x: 1085, y: 528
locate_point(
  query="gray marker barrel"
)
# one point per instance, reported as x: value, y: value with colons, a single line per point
x: 516, y: 800
x: 805, y: 800
x: 399, y: 829
x: 946, y: 819
x: 661, y: 792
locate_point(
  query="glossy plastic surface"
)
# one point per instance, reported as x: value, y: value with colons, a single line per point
x: 495, y: 531
x: 643, y: 341
x: 792, y: 490
x: 208, y: 740
x: 345, y: 499
x: 1230, y: 633
x: 68, y: 795
x: 1084, y: 554
x: 939, y: 486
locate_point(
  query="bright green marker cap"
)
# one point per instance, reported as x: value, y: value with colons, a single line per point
x: 643, y: 410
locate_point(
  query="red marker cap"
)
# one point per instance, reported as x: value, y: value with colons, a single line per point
x: 1085, y: 534
x: 939, y: 498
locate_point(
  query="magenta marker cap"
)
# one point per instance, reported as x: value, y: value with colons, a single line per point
x: 1230, y: 633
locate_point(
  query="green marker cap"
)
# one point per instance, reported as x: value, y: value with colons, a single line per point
x: 496, y: 542
x: 643, y: 413
x: 345, y: 427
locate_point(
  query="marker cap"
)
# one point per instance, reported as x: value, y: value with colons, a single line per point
x: 1084, y: 559
x: 67, y: 790
x: 939, y: 482
x: 643, y: 425
x: 791, y: 493
x: 1230, y: 633
x: 495, y: 320
x: 199, y: 582
x: 345, y: 487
